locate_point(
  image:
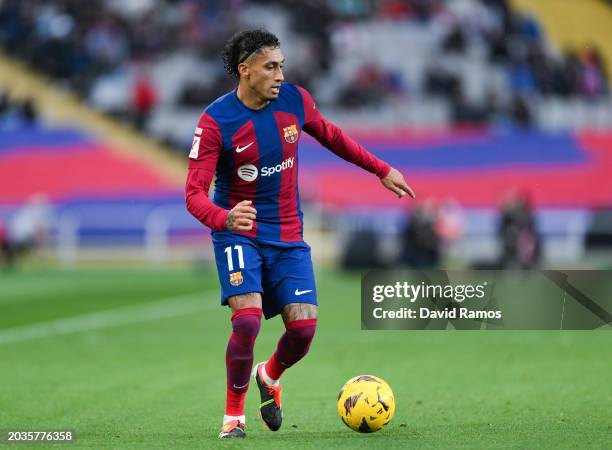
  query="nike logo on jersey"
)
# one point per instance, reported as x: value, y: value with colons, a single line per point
x: 298, y: 292
x: 241, y: 149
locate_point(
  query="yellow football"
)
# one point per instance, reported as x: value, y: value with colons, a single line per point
x: 366, y: 403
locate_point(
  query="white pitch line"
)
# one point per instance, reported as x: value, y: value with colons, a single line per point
x: 160, y: 309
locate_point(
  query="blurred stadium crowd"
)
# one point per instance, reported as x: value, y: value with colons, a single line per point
x: 155, y: 62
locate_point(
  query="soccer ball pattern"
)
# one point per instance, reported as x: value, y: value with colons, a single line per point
x: 366, y: 404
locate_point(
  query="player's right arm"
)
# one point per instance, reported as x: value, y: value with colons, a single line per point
x: 203, y: 157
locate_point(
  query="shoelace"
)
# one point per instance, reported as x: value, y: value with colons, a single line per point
x: 275, y: 392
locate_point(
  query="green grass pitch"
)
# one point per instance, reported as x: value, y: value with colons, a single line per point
x: 135, y: 359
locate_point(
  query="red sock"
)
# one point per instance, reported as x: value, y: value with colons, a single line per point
x: 239, y: 358
x: 292, y: 346
x: 234, y: 403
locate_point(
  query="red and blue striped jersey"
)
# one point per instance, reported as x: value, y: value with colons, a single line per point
x: 254, y: 155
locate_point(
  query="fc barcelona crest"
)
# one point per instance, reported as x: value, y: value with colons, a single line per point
x: 236, y: 278
x: 291, y: 133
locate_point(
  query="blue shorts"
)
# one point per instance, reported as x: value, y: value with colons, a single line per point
x: 281, y: 271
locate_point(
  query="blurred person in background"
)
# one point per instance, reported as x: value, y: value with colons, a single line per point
x: 449, y: 225
x: 17, y: 113
x: 420, y: 239
x: 5, y: 250
x: 5, y: 103
x: 362, y: 251
x: 28, y: 111
x: 249, y: 138
x: 517, y: 232
x: 144, y: 98
x: 520, y: 113
x: 28, y: 228
x: 593, y: 80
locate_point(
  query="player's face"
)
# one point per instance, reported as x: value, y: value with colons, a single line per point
x: 265, y: 73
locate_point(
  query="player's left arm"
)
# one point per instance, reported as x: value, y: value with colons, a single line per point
x: 332, y: 137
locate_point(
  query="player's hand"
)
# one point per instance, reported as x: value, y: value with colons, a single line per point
x: 395, y: 182
x: 241, y: 216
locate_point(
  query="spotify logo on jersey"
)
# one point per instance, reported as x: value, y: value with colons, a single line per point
x: 248, y: 172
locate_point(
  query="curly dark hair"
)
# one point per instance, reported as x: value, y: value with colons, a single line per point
x: 243, y: 44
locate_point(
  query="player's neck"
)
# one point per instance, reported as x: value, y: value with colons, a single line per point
x: 250, y: 98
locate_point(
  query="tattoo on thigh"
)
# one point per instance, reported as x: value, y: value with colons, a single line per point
x: 299, y: 311
x: 248, y: 300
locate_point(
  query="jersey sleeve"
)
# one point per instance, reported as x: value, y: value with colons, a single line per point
x: 203, y: 157
x: 332, y: 137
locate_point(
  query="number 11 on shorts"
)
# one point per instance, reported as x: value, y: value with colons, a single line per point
x: 230, y: 260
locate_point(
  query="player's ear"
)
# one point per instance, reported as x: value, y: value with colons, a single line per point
x: 243, y: 70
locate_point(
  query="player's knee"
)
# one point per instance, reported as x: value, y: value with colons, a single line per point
x: 301, y: 334
x: 247, y: 321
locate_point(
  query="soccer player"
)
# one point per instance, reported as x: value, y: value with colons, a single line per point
x: 248, y: 138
